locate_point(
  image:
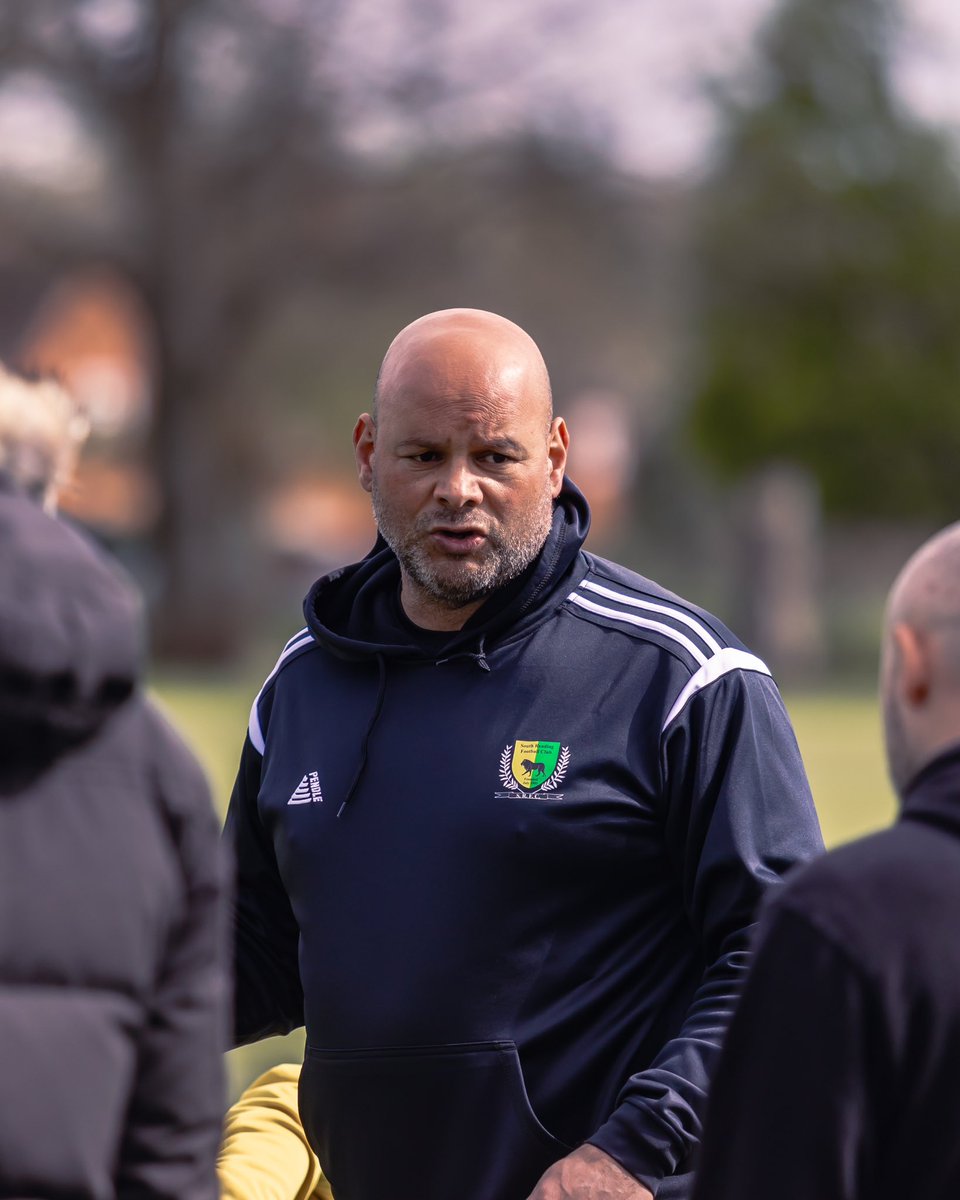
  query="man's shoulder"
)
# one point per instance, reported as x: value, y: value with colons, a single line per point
x: 895, y: 885
x: 861, y: 865
x: 292, y: 649
x: 608, y: 589
x: 618, y: 599
x: 295, y: 648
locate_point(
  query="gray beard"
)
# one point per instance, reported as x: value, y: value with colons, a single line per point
x: 455, y: 587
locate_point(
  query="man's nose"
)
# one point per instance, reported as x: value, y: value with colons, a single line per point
x: 458, y: 485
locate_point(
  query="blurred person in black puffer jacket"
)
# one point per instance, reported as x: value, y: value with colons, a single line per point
x: 113, y: 985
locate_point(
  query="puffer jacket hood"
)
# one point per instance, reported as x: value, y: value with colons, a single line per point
x: 70, y: 642
x: 355, y: 611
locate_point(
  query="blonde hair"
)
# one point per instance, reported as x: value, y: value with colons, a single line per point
x: 41, y: 432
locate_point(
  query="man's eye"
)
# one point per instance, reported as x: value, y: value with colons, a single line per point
x: 496, y: 458
x: 425, y: 456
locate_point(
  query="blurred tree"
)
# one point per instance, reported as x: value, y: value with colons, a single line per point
x: 221, y: 193
x: 214, y: 180
x: 829, y: 237
x: 212, y: 171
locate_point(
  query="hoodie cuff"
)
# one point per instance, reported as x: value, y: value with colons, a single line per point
x: 641, y: 1143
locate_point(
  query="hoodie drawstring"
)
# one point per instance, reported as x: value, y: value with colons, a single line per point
x: 381, y: 692
x: 479, y: 656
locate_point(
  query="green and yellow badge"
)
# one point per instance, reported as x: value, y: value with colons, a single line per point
x: 533, y: 766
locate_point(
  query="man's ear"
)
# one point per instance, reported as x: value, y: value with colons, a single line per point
x: 914, y: 676
x: 364, y: 437
x: 558, y: 442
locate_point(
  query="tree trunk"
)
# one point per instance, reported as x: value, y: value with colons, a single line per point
x: 781, y: 555
x: 204, y: 543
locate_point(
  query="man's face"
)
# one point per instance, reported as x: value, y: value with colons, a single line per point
x: 463, y: 466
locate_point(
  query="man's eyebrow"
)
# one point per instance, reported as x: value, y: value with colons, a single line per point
x: 497, y: 444
x: 418, y: 443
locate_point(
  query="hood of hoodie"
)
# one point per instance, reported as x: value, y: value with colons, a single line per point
x: 356, y: 612
x: 70, y: 644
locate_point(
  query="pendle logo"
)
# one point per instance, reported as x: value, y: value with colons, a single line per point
x: 307, y: 790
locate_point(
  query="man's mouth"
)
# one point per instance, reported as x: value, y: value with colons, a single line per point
x: 457, y: 539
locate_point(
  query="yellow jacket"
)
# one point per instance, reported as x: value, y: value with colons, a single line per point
x: 265, y: 1155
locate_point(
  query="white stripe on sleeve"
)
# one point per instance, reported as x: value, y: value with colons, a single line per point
x: 303, y: 638
x: 677, y: 614
x: 641, y: 623
x: 722, y: 663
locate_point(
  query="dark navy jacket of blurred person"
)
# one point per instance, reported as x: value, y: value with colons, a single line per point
x: 113, y: 981
x: 840, y: 1079
x: 503, y: 816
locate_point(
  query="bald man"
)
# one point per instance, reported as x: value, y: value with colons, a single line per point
x: 841, y: 1076
x: 503, y: 816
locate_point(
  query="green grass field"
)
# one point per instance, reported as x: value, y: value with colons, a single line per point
x: 839, y: 736
x: 841, y: 741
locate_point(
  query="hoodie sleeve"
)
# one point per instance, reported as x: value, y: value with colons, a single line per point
x: 175, y: 1111
x: 737, y: 814
x: 268, y: 997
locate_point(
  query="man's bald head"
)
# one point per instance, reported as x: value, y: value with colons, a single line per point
x: 920, y: 672
x: 927, y: 590
x: 463, y: 459
x: 475, y: 347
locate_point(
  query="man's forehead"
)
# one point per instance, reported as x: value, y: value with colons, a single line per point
x: 463, y: 387
x: 466, y: 340
x: 435, y: 419
x: 464, y: 363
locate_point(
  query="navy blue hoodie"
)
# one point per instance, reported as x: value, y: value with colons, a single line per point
x: 505, y: 876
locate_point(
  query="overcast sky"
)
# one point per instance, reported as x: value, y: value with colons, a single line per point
x: 633, y: 69
x: 631, y: 73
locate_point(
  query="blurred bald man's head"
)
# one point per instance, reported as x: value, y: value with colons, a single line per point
x: 920, y: 667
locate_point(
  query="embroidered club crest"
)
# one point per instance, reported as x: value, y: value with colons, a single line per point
x: 533, y: 767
